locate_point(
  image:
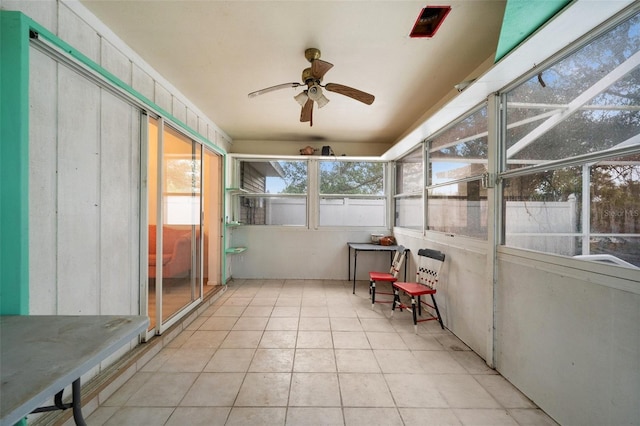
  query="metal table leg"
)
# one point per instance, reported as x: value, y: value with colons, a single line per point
x: 355, y: 266
x: 349, y: 263
x: 75, y: 405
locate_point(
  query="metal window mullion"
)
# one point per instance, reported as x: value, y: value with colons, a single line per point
x: 360, y: 196
x: 389, y: 173
x: 501, y: 166
x: 425, y: 183
x: 585, y: 211
x: 408, y: 194
x: 494, y: 201
x: 456, y: 181
x: 313, y: 191
x: 270, y: 195
x: 571, y: 161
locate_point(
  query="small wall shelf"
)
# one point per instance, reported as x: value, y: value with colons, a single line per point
x: 236, y: 190
x: 235, y: 250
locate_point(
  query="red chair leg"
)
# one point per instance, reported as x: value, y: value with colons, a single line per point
x: 372, y: 290
x: 415, y: 314
x: 396, y: 300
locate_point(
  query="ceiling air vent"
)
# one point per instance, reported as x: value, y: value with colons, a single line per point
x: 429, y: 21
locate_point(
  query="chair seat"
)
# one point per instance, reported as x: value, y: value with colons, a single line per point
x: 382, y: 276
x: 414, y: 289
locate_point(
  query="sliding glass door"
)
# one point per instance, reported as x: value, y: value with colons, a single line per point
x: 211, y: 220
x: 181, y: 181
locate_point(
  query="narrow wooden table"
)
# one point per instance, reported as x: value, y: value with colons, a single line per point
x: 42, y: 354
x: 368, y: 247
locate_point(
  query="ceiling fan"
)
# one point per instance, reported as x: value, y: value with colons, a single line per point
x: 312, y: 77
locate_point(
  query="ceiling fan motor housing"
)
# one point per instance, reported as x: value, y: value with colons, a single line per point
x: 307, y: 77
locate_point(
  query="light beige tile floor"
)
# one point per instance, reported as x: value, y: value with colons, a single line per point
x: 309, y: 352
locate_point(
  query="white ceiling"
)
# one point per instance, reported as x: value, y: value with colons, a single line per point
x: 216, y: 52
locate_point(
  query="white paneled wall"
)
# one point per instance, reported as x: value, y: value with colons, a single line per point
x: 299, y: 253
x: 567, y: 337
x: 76, y: 180
x: 43, y: 220
x: 84, y: 195
x: 119, y: 211
x: 464, y: 292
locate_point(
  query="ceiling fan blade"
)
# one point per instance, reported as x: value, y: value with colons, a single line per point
x: 272, y: 88
x: 307, y: 112
x: 356, y: 94
x: 319, y: 68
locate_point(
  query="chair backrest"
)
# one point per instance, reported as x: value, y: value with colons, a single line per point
x: 398, y: 260
x: 429, y: 267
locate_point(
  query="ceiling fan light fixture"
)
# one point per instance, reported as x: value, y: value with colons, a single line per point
x: 322, y: 101
x: 301, y: 98
x: 315, y: 94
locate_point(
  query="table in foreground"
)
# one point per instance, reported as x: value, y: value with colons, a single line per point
x: 42, y: 354
x: 367, y: 247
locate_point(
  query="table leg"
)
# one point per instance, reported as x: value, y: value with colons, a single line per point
x: 349, y: 263
x: 76, y: 403
x: 355, y: 266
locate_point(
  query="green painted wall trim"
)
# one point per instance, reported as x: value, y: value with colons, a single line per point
x: 14, y: 164
x: 521, y: 19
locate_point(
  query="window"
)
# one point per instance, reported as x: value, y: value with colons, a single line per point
x: 182, y: 180
x: 572, y: 150
x: 279, y: 192
x: 585, y: 103
x: 276, y: 192
x: 542, y: 211
x: 615, y: 208
x: 352, y: 193
x: 409, y: 204
x: 459, y: 209
x: 457, y: 160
